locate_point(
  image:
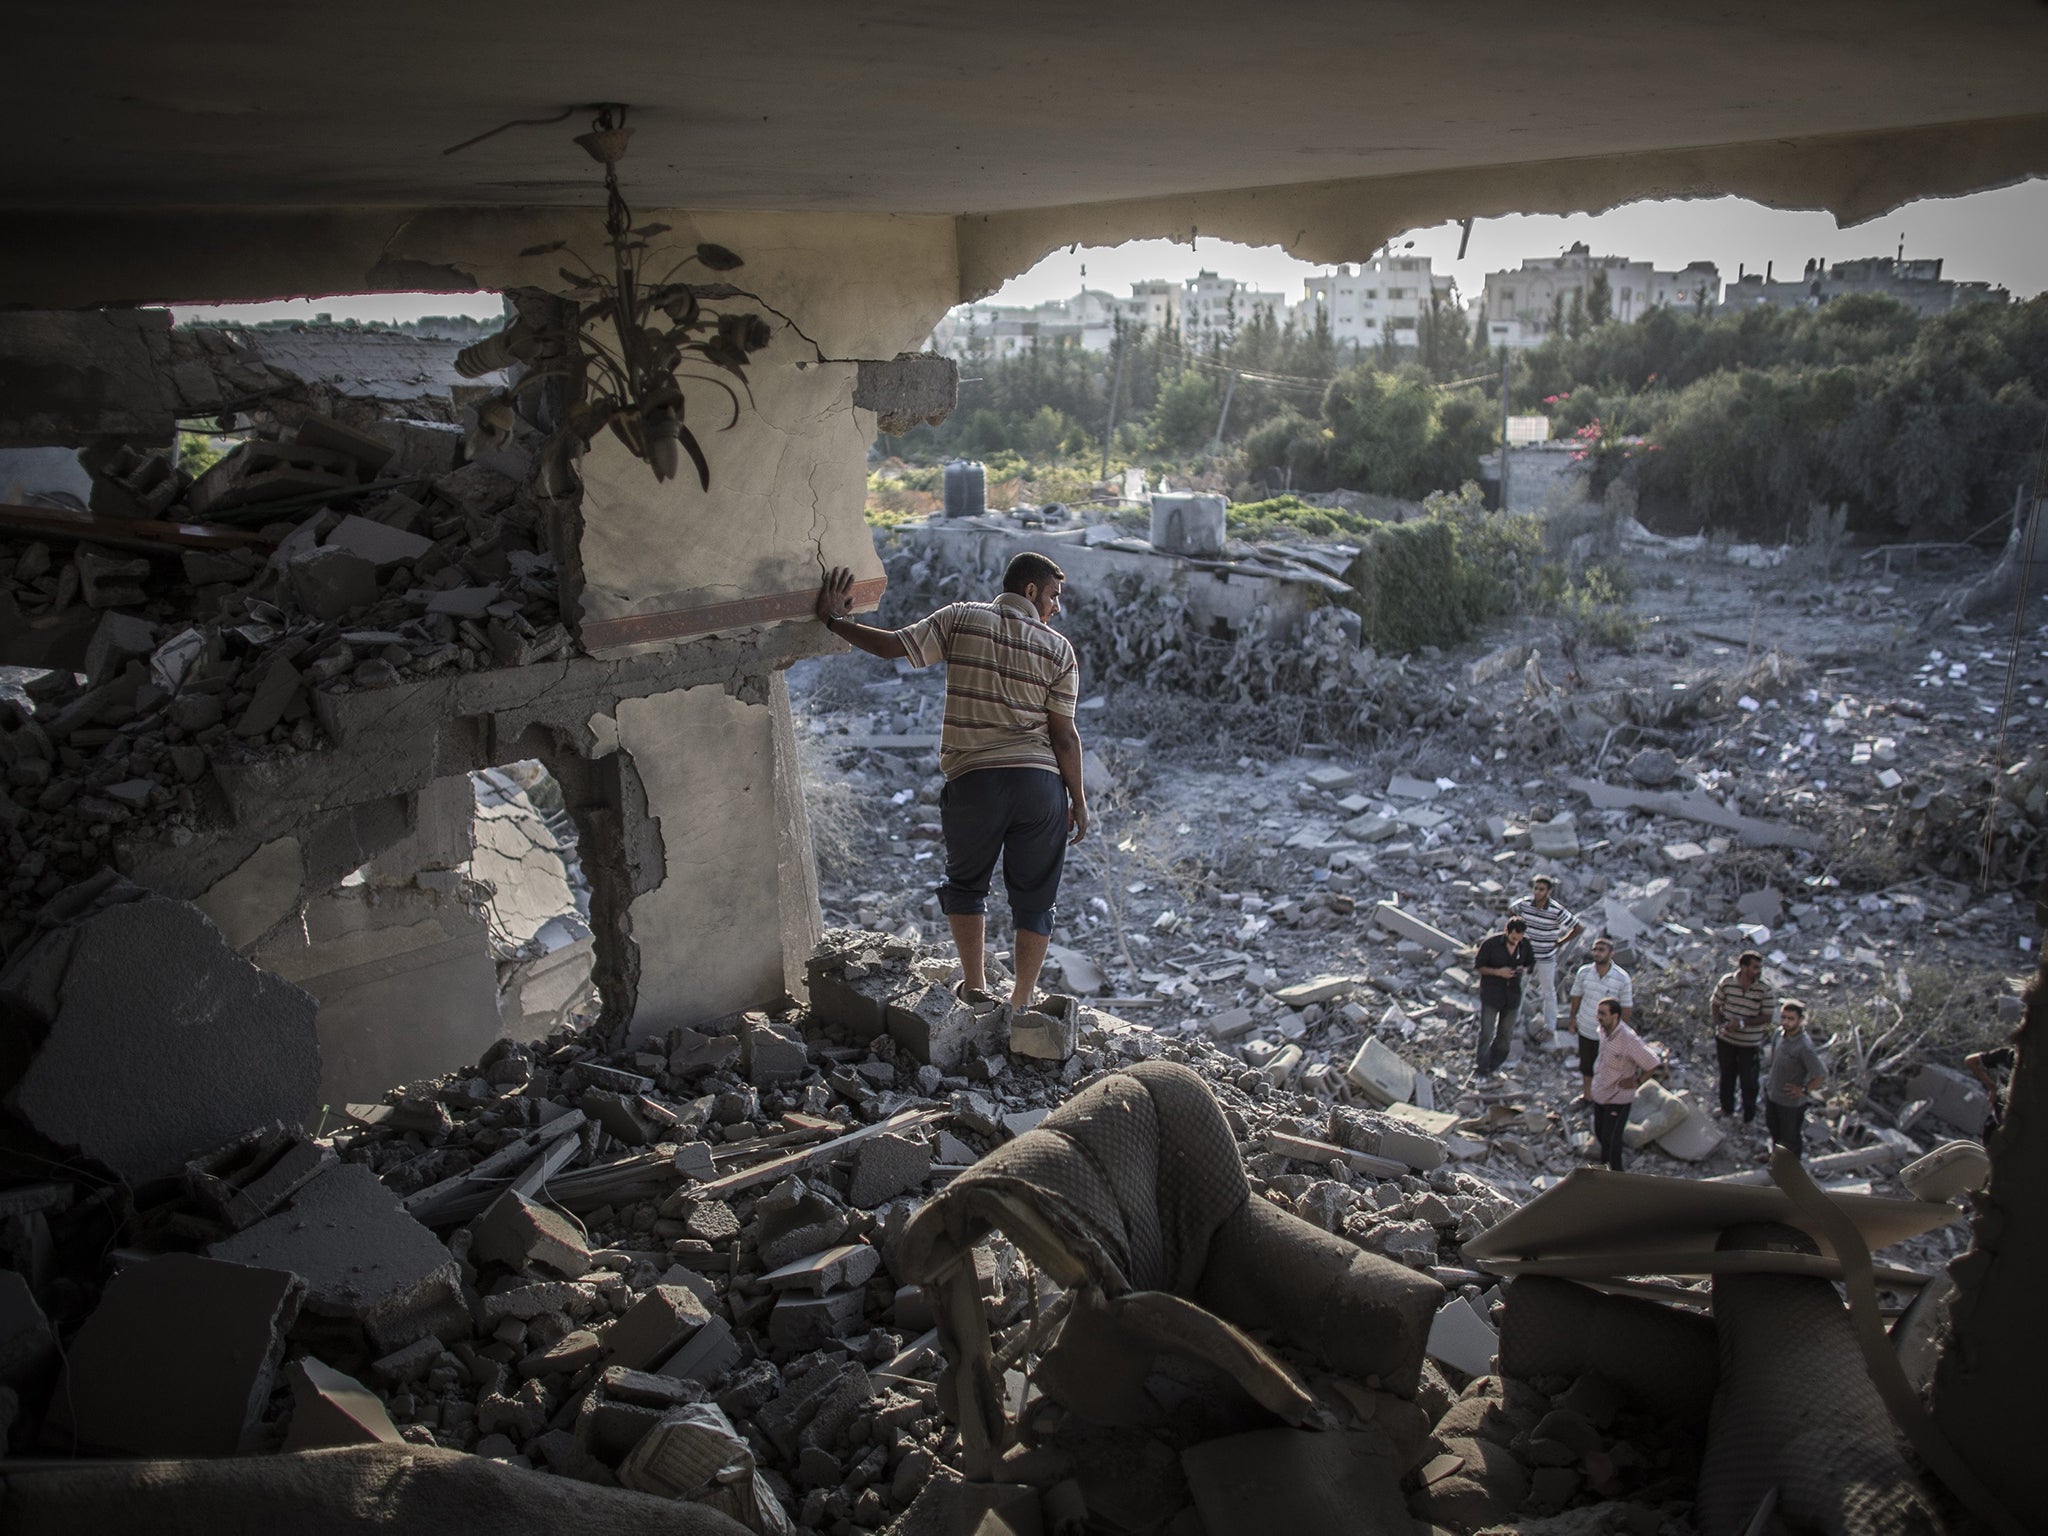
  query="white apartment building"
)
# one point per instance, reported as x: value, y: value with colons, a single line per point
x: 1214, y: 308
x: 1088, y: 320
x: 1382, y: 299
x: 1522, y: 306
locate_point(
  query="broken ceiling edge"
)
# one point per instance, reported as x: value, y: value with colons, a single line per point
x: 1856, y: 177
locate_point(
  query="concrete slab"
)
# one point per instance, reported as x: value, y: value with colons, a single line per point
x: 887, y: 1166
x: 654, y: 1326
x: 805, y: 1322
x: 706, y: 1356
x: 177, y: 1359
x: 1403, y: 786
x: 1318, y: 989
x: 1380, y: 1073
x: 1460, y: 1338
x: 521, y: 1234
x: 835, y: 1269
x: 361, y: 1257
x: 331, y: 1408
x: 1952, y: 1097
x: 162, y: 1044
x: 1408, y: 926
x: 1692, y: 1138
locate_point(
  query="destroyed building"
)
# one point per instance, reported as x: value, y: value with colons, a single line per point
x: 348, y: 1184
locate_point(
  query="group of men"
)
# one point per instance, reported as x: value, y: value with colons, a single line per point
x: 1615, y: 1061
x: 1011, y: 757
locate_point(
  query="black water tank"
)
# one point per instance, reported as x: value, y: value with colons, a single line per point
x: 966, y: 489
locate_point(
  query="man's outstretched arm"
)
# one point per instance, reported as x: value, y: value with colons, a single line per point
x: 835, y: 612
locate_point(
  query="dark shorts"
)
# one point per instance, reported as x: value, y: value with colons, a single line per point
x: 1589, y: 1052
x: 1019, y: 815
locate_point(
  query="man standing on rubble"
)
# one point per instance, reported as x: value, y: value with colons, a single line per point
x: 1740, y: 1011
x: 1796, y: 1070
x: 1008, y: 748
x: 1501, y: 960
x: 1594, y: 984
x: 1624, y: 1065
x: 1551, y: 931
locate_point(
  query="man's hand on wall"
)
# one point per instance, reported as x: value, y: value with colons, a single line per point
x: 835, y: 597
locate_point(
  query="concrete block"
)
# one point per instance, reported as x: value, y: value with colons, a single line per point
x: 663, y: 1318
x: 1403, y: 786
x: 117, y: 639
x: 692, y: 1054
x: 330, y: 1408
x: 887, y: 1166
x: 836, y: 1269
x: 521, y: 1234
x: 1380, y: 1074
x: 934, y: 1027
x: 1371, y: 828
x: 772, y: 1052
x: 160, y: 1043
x: 1694, y: 1137
x: 1952, y: 1097
x: 247, y: 1180
x: 331, y: 583
x: 705, y: 1356
x: 1019, y: 1121
x: 361, y: 1257
x: 1331, y: 777
x: 1684, y: 854
x: 379, y: 543
x: 1557, y: 838
x: 1319, y: 989
x: 277, y: 684
x: 1049, y: 1032
x: 1229, y: 1024
x: 791, y: 1221
x: 1462, y: 1339
x: 1408, y: 926
x: 1765, y: 907
x: 177, y: 1360
x: 574, y: 1350
x: 803, y: 1322
x: 1655, y: 1114
x: 1412, y: 1148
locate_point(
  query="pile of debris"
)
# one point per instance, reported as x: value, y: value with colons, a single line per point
x: 192, y: 622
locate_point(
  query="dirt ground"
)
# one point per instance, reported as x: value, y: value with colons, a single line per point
x: 1213, y: 877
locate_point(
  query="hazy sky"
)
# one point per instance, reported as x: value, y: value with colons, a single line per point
x: 1997, y: 236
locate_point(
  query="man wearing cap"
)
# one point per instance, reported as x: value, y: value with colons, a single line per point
x: 1008, y: 748
x: 1551, y: 930
x: 1593, y: 985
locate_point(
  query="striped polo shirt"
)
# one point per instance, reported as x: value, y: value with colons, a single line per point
x: 1544, y: 925
x: 1006, y: 672
x: 1747, y: 1013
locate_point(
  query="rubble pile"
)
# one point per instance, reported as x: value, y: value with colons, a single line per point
x: 568, y: 1256
x: 314, y: 558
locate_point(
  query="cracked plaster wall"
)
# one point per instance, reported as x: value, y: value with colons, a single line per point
x: 731, y: 923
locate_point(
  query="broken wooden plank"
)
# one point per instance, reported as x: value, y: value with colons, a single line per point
x: 1699, y: 807
x: 150, y: 537
x: 810, y: 1157
x: 439, y: 1204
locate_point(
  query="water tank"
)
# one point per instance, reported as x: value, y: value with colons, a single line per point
x: 1187, y: 523
x: 966, y: 489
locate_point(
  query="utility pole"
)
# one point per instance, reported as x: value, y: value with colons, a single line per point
x: 1503, y: 427
x: 1229, y: 389
x: 1115, y: 389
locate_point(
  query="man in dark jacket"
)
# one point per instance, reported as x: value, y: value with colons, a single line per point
x: 1503, y: 958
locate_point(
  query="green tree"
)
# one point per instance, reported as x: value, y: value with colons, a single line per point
x: 1599, y: 299
x: 1575, y: 316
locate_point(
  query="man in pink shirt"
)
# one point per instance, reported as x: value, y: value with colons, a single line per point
x: 1623, y: 1065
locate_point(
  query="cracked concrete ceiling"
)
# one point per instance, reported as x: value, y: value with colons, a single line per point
x: 841, y: 106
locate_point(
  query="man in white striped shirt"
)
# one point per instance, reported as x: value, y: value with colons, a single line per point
x: 1551, y: 930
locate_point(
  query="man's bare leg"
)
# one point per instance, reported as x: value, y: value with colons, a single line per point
x: 1029, y: 956
x: 970, y: 938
